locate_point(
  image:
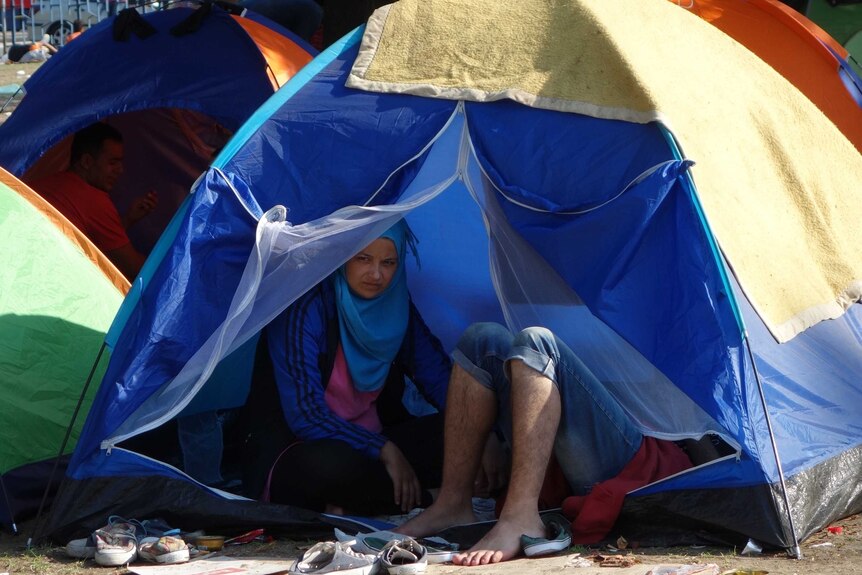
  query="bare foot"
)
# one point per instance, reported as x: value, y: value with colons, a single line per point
x: 502, y: 543
x: 435, y: 519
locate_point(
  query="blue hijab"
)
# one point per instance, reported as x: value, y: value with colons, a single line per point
x: 372, y: 329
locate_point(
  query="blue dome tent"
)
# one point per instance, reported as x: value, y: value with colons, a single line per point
x: 557, y: 171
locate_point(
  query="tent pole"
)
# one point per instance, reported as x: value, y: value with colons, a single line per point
x: 797, y: 550
x: 65, y: 442
x: 8, y: 506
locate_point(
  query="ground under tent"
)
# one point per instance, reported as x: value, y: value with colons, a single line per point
x: 582, y: 214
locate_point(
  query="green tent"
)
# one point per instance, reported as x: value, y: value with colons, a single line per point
x: 58, y: 296
x: 843, y: 21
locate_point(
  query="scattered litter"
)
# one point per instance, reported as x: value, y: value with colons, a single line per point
x: 751, y: 548
x: 615, y: 560
x: 210, y: 542
x: 835, y: 530
x: 827, y: 544
x: 694, y: 569
x: 20, y: 72
x: 622, y: 543
x: 254, y: 535
x: 577, y: 561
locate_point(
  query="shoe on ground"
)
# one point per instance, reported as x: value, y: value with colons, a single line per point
x: 116, y: 544
x: 167, y: 550
x: 438, y: 549
x: 559, y: 537
x: 333, y: 557
x: 158, y: 527
x: 81, y: 548
x: 86, y: 548
x: 404, y: 557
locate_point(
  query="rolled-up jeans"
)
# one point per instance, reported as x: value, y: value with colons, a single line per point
x: 595, y: 438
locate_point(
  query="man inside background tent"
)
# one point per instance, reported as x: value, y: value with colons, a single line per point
x: 82, y: 194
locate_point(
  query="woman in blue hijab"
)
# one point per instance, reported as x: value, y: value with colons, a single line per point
x: 341, y: 355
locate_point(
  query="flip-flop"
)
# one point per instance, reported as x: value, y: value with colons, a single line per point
x: 559, y: 537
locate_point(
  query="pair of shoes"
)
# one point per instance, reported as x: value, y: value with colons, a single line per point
x: 331, y: 557
x: 559, y: 537
x: 166, y: 549
x: 438, y: 549
x: 86, y: 548
x: 404, y: 557
x: 118, y: 542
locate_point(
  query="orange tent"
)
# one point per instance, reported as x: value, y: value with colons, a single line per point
x: 795, y: 47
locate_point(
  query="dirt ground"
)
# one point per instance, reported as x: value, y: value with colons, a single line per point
x: 13, y: 74
x: 837, y: 549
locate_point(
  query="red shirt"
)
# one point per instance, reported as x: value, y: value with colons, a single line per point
x: 89, y: 209
x: 593, y: 515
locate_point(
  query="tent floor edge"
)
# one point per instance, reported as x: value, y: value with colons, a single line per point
x: 826, y: 492
x: 83, y: 505
x: 721, y: 517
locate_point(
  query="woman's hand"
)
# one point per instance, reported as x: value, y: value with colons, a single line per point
x: 493, y: 474
x: 408, y: 491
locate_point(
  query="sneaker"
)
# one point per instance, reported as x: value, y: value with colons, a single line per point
x: 167, y: 549
x: 404, y: 557
x: 158, y: 528
x: 331, y: 557
x: 559, y: 537
x: 116, y: 544
x: 81, y: 548
x: 86, y: 548
x: 438, y: 549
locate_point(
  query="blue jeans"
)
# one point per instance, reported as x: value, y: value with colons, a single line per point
x: 595, y: 438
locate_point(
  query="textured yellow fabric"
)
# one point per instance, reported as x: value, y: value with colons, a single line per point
x: 780, y: 185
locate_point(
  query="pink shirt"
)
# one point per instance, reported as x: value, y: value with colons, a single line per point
x: 346, y: 402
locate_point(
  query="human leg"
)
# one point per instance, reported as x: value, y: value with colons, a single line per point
x: 557, y: 403
x: 535, y: 416
x: 596, y: 437
x: 202, y: 444
x: 471, y: 410
x: 420, y: 439
x: 336, y: 475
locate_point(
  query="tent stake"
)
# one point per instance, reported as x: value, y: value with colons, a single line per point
x: 63, y: 445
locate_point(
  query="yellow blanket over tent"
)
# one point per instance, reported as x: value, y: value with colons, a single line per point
x: 780, y: 185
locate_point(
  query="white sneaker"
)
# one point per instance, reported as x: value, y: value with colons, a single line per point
x: 167, y: 549
x: 332, y: 557
x: 405, y: 557
x: 116, y: 544
x: 438, y: 549
x: 81, y: 548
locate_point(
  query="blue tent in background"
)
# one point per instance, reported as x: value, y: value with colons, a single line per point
x: 582, y: 214
x: 176, y: 83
